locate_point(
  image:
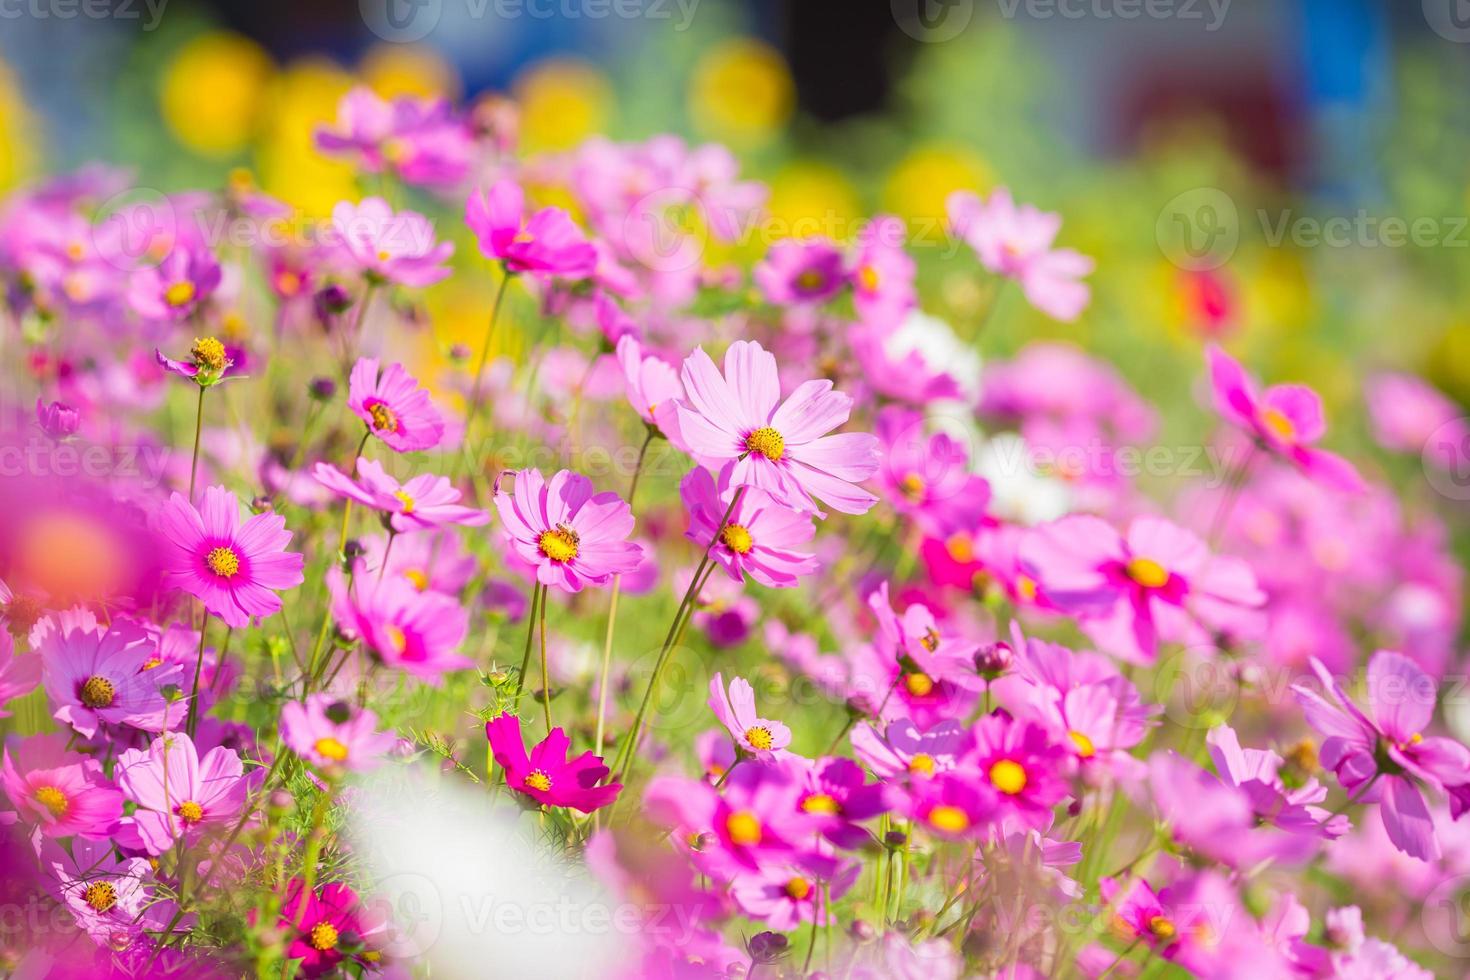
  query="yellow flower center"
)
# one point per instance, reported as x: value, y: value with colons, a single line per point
x: 100, y: 895
x: 384, y: 256
x: 1026, y: 588
x: 396, y: 637
x: 1008, y: 777
x: 404, y: 499
x: 152, y: 663
x: 53, y: 800
x: 98, y: 692
x: 179, y: 294
x: 1085, y: 748
x: 223, y: 562
x: 810, y: 281
x: 821, y: 803
x: 743, y: 827
x: 912, y: 486
x: 919, y: 685
x: 383, y: 418
x: 559, y: 544
x: 288, y: 283
x: 736, y: 538
x: 766, y: 441
x: 190, y: 812
x: 417, y: 577
x: 209, y: 353
x: 922, y: 763
x: 961, y: 547
x: 950, y: 819
x: 1148, y: 573
x: 868, y: 279
x: 538, y: 780
x: 759, y: 737
x: 323, y: 937
x: 1279, y: 425
x: 798, y: 888
x: 1162, y: 927
x: 330, y: 748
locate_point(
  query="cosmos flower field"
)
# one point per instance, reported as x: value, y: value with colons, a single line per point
x: 714, y: 611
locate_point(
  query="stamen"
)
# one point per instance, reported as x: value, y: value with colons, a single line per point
x: 179, y: 294
x: 768, y: 442
x: 323, y: 937
x: 223, y: 562
x: 190, y: 812
x: 737, y: 538
x: 98, y: 692
x: 408, y: 502
x: 1162, y: 927
x: 759, y: 738
x: 798, y: 889
x: 922, y: 763
x: 208, y: 353
x: 559, y: 544
x: 538, y: 780
x: 1148, y: 573
x: 1279, y: 425
x: 821, y: 803
x: 919, y: 685
x: 53, y: 800
x: 384, y: 419
x: 1008, y: 777
x: 330, y: 748
x: 868, y: 279
x: 1085, y: 748
x: 417, y: 577
x: 950, y: 819
x: 743, y: 827
x: 100, y: 895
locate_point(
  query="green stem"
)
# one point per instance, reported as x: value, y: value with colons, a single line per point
x: 477, y: 392
x: 198, y: 669
x: 545, y: 673
x: 198, y: 428
x: 536, y: 591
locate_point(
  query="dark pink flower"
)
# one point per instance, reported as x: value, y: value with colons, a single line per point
x: 759, y: 539
x: 795, y: 272
x: 546, y: 775
x: 63, y: 794
x: 325, y: 928
x: 420, y: 632
x: 548, y: 243
x: 175, y: 288
x: 426, y: 501
x: 394, y: 407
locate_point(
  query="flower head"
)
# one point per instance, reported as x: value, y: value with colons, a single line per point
x: 547, y: 243
x: 175, y: 288
x: 95, y: 676
x: 207, y: 365
x: 389, y: 247
x: 760, y: 538
x: 334, y: 735
x: 63, y: 794
x: 329, y: 926
x: 1016, y: 242
x: 546, y: 775
x: 420, y: 632
x: 178, y: 794
x: 572, y: 536
x: 426, y: 501
x: 393, y: 406
x: 753, y: 735
x: 800, y: 272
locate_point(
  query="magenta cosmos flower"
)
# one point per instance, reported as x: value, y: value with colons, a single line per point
x: 390, y: 247
x: 1157, y: 583
x: 758, y: 540
x: 229, y: 566
x: 426, y: 501
x: 178, y: 794
x: 795, y: 272
x: 334, y: 735
x: 99, y: 676
x: 1016, y: 242
x: 882, y: 273
x: 394, y: 406
x: 419, y: 632
x: 112, y: 899
x: 328, y: 927
x: 572, y: 536
x: 207, y: 365
x: 653, y: 386
x: 546, y: 775
x: 20, y: 673
x: 753, y: 735
x: 738, y: 420
x: 1285, y: 419
x: 63, y: 794
x: 174, y: 289
x: 419, y: 139
x: 1383, y: 756
x: 548, y: 243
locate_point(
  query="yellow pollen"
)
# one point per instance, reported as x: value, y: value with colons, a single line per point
x: 54, y: 800
x: 919, y: 685
x: 759, y: 737
x: 1008, y: 777
x: 1085, y: 748
x: 190, y: 812
x: 383, y: 418
x: 868, y: 279
x: 179, y: 294
x: 737, y: 539
x: 151, y: 663
x: 922, y: 763
x: 930, y: 640
x: 417, y: 577
x: 396, y: 637
x: 288, y: 283
x: 810, y: 281
x: 743, y: 827
x: 208, y: 352
x: 1279, y: 425
x: 912, y: 486
x: 961, y: 547
x: 1148, y: 573
x: 98, y: 692
x: 384, y: 256
x: 821, y: 803
x: 76, y: 252
x: 323, y: 936
x: 768, y: 442
x: 1161, y: 927
x: 404, y: 499
x: 798, y: 888
x: 538, y: 780
x: 223, y: 562
x: 330, y: 748
x: 950, y: 819
x: 1026, y: 588
x: 559, y: 544
x: 100, y: 895
x: 1415, y: 739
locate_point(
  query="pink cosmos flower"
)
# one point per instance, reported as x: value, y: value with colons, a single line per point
x: 1383, y: 756
x: 754, y: 736
x: 1023, y: 772
x: 335, y: 735
x: 905, y: 751
x: 19, y: 673
x: 1157, y: 582
x: 174, y: 289
x: 1407, y: 410
x: 231, y: 567
x: 112, y: 899
x: 62, y: 793
x: 430, y: 561
x: 925, y: 655
x: 546, y: 775
x: 419, y: 632
x: 419, y: 139
x: 882, y: 273
x: 738, y: 420
x: 571, y: 536
x: 58, y: 420
x: 394, y: 407
x: 1285, y: 419
x: 1016, y: 242
x: 758, y: 540
x: 654, y: 388
x: 926, y: 477
x: 389, y: 247
x: 549, y: 243
x: 178, y: 794
x: 950, y: 806
x: 786, y: 895
x: 329, y: 926
x: 753, y: 820
x: 838, y: 797
x: 99, y: 676
x: 208, y: 364
x: 426, y: 501
x: 797, y: 272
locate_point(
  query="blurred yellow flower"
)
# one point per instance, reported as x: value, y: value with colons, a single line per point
x: 304, y: 97
x: 17, y: 153
x: 562, y: 102
x: 742, y: 92
x: 923, y: 180
x: 408, y: 69
x: 810, y: 198
x: 212, y: 92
